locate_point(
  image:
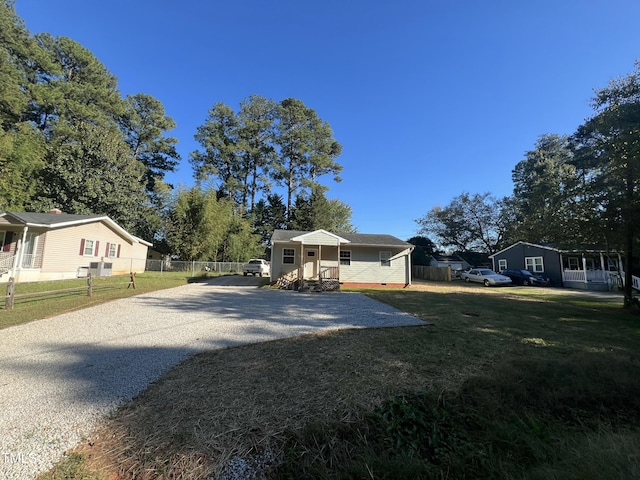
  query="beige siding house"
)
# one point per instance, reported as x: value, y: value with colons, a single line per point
x: 329, y: 260
x: 56, y: 246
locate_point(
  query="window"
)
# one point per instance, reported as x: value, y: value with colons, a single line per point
x: 89, y: 248
x: 112, y: 250
x: 534, y: 264
x: 502, y: 264
x: 573, y: 263
x: 3, y: 236
x: 288, y: 255
x: 345, y: 257
x: 385, y: 259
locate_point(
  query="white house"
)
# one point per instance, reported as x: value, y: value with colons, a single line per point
x: 56, y: 246
x: 328, y: 260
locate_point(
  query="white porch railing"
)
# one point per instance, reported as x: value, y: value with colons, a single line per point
x: 613, y: 279
x: 31, y: 261
x: 586, y: 276
x: 6, y: 262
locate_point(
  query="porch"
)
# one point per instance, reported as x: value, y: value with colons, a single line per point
x: 8, y: 262
x: 592, y: 270
x: 327, y: 279
x: 601, y: 280
x: 596, y: 280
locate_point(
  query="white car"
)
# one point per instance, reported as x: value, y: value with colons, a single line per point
x: 486, y: 276
x: 256, y: 266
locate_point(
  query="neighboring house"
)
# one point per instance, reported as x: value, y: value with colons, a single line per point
x: 586, y: 268
x: 55, y: 246
x: 328, y: 260
x: 454, y: 262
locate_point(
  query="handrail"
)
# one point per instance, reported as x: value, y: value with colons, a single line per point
x: 329, y: 273
x: 6, y: 262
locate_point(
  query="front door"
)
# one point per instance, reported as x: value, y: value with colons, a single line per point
x: 30, y: 243
x: 310, y: 262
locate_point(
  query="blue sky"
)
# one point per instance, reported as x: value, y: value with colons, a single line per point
x: 429, y: 98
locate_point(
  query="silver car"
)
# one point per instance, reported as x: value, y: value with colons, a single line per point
x: 486, y: 276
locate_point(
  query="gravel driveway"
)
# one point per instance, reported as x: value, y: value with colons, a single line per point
x: 60, y: 375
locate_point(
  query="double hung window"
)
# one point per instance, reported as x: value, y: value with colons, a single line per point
x: 534, y: 264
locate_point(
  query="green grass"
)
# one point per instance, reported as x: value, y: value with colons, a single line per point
x: 504, y: 384
x: 72, y: 294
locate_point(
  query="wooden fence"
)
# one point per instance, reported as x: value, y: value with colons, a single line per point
x: 11, y: 290
x: 438, y: 274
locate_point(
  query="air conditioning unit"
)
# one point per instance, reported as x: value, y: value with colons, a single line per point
x: 101, y: 269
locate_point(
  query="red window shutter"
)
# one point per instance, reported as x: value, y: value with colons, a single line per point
x: 106, y: 250
x: 118, y: 254
x: 97, y: 247
x: 82, y: 247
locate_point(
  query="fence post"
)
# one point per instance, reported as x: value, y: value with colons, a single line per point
x: 89, y: 285
x: 8, y: 305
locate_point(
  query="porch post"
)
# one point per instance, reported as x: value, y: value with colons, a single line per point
x: 603, y: 272
x: 320, y: 263
x: 339, y: 245
x: 584, y: 268
x: 562, y: 269
x: 620, y: 270
x: 20, y: 254
x: 301, y: 267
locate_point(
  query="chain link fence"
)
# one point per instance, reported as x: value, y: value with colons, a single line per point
x: 193, y: 267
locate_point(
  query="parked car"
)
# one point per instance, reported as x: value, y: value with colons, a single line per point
x: 525, y: 277
x: 256, y: 266
x: 486, y: 276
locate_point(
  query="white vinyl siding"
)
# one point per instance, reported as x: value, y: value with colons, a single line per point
x: 365, y: 267
x: 320, y: 238
x: 534, y: 264
x: 62, y: 250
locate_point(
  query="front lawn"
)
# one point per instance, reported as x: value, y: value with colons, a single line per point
x: 68, y: 295
x: 507, y: 383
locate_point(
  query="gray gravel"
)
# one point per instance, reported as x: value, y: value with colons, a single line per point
x: 59, y: 376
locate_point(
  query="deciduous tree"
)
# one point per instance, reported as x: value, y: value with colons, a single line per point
x: 469, y: 222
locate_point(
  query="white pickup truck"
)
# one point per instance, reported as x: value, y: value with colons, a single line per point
x: 256, y: 266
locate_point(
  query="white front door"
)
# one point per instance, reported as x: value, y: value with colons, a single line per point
x: 30, y: 243
x: 310, y: 262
